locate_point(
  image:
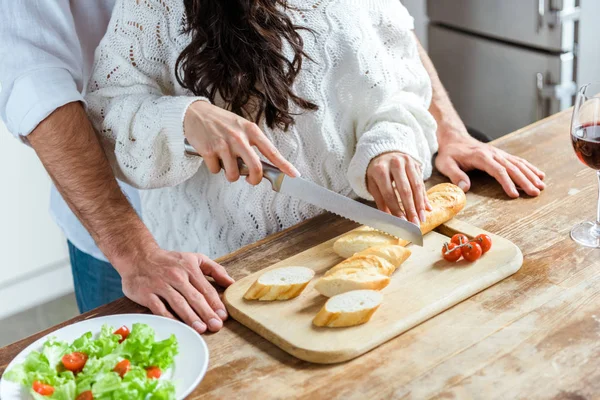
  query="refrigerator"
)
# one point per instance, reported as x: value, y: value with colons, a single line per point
x: 509, y: 63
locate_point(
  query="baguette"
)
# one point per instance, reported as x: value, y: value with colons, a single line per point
x: 348, y: 309
x: 446, y: 199
x: 348, y: 279
x: 280, y: 284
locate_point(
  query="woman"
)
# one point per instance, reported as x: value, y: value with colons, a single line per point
x: 334, y: 89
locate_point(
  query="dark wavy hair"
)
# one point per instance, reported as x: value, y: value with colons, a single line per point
x: 236, y: 53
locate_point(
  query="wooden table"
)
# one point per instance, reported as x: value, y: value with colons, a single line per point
x: 533, y: 335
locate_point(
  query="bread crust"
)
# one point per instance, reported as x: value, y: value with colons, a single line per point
x: 261, y: 292
x: 343, y: 318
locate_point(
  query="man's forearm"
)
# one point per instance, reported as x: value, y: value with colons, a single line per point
x: 448, y: 120
x: 68, y: 147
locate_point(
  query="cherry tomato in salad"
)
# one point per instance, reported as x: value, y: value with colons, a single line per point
x: 459, y: 239
x: 42, y: 388
x: 87, y: 395
x: 484, y: 241
x: 122, y: 367
x: 472, y: 251
x: 153, y: 372
x: 123, y: 332
x: 450, y: 252
x: 74, y: 361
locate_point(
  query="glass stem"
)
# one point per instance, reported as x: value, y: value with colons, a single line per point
x: 598, y: 205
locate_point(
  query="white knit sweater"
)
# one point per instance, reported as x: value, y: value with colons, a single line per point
x: 366, y: 77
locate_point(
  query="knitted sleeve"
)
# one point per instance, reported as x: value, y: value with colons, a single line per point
x: 394, y: 116
x: 131, y: 97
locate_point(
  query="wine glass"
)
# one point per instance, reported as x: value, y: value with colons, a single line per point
x: 585, y: 136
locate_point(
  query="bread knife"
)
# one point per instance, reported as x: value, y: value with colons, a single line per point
x: 331, y: 201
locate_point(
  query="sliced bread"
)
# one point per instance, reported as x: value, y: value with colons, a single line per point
x: 367, y: 262
x: 361, y: 239
x: 349, y: 309
x: 394, y: 254
x: 348, y: 279
x: 280, y: 284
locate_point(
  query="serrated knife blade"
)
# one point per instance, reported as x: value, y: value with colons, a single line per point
x: 351, y: 209
x: 331, y: 201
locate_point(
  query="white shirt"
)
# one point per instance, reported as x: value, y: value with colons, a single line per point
x: 364, y: 72
x: 46, y: 52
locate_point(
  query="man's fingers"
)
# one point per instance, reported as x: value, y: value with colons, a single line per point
x: 197, y: 300
x: 232, y: 172
x: 269, y: 150
x: 496, y: 170
x: 540, y: 174
x: 457, y: 176
x: 406, y: 194
x: 215, y: 270
x: 528, y: 172
x: 518, y: 177
x: 210, y: 295
x: 418, y: 188
x: 182, y: 308
x: 157, y: 307
x: 374, y: 190
x: 383, y: 180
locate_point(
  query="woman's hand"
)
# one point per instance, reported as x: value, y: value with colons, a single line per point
x: 464, y: 153
x: 397, y: 171
x: 218, y: 134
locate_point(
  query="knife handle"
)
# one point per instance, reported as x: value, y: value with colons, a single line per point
x: 270, y: 172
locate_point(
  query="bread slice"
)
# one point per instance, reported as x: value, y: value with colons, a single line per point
x: 361, y: 239
x: 394, y: 254
x: 349, y: 309
x: 446, y: 199
x: 280, y: 284
x: 348, y: 279
x: 367, y: 262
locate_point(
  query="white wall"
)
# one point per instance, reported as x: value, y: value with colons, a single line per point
x: 33, y: 254
x: 417, y: 9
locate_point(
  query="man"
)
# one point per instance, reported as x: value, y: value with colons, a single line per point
x: 46, y: 49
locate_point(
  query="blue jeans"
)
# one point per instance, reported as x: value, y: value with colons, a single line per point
x: 96, y: 282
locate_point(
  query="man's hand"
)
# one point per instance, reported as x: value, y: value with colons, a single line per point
x: 395, y: 171
x: 458, y: 152
x: 179, y: 279
x: 464, y: 153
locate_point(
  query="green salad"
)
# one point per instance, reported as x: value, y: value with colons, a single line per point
x: 116, y: 365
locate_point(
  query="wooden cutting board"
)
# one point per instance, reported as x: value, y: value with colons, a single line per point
x: 424, y: 286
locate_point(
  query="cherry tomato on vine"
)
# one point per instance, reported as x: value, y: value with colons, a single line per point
x: 459, y: 239
x: 484, y: 241
x: 472, y: 251
x: 450, y: 252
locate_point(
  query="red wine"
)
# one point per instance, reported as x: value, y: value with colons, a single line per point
x: 586, y: 142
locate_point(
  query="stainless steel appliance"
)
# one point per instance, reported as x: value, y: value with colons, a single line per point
x: 508, y: 63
